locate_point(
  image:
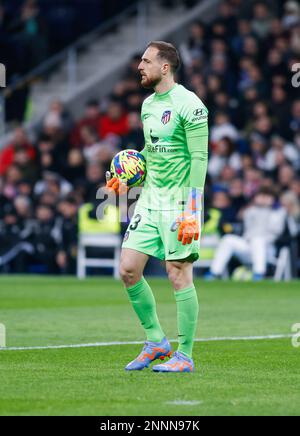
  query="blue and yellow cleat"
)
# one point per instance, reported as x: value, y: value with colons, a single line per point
x: 178, y: 363
x: 150, y: 352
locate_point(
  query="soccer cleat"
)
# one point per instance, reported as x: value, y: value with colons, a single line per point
x: 258, y: 277
x: 178, y: 363
x: 150, y: 352
x: 209, y: 276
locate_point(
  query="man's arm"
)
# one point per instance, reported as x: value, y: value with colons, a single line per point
x: 194, y: 117
x: 197, y: 141
x: 198, y: 148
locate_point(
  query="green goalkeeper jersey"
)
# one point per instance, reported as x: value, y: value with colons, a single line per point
x: 176, y: 147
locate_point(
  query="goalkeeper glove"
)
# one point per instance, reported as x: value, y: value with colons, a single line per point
x: 116, y: 185
x: 187, y: 224
x: 188, y: 228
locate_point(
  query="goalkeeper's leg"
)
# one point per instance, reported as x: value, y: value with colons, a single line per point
x: 141, y: 297
x: 181, y: 276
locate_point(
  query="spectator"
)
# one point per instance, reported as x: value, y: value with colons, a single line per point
x: 195, y: 47
x: 252, y: 181
x: 281, y: 152
x: 132, y: 69
x: 54, y: 184
x: 24, y: 187
x: 19, y: 141
x: 290, y: 236
x: 114, y: 121
x: 75, y: 167
x: 31, y: 33
x: 10, y: 185
x: 22, y: 205
x: 261, y: 23
x: 236, y: 192
x: 135, y: 136
x: 94, y: 179
x: 291, y: 14
x: 25, y: 164
x: 264, y: 127
x: 45, y: 239
x: 294, y: 123
x: 244, y: 30
x: 67, y: 250
x: 286, y: 175
x: 13, y: 251
x: 90, y: 142
x: 280, y: 109
x: 258, y: 146
x: 262, y: 226
x: 3, y: 199
x: 65, y: 120
x: 134, y: 101
x: 223, y: 128
x: 47, y: 155
x: 223, y: 203
x: 223, y: 153
x: 91, y: 118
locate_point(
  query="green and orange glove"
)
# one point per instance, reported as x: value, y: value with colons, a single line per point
x: 187, y: 223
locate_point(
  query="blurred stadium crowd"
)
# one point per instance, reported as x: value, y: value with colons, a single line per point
x: 240, y: 66
x: 32, y: 30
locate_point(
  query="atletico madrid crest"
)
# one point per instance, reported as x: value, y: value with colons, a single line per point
x: 166, y: 117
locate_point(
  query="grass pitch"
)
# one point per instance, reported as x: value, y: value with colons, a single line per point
x: 244, y: 377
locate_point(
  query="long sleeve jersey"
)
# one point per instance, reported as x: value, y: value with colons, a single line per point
x: 176, y: 147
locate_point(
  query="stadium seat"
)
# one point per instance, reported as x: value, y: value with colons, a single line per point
x: 282, y: 263
x: 102, y: 234
x: 100, y: 241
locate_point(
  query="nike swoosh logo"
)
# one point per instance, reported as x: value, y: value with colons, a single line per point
x: 172, y: 252
x: 154, y: 139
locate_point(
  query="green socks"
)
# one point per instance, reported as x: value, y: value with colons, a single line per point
x: 187, y: 318
x: 143, y: 302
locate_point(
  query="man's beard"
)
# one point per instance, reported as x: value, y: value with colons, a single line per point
x: 150, y: 83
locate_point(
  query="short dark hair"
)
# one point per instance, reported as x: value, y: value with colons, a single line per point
x: 92, y: 103
x: 167, y: 51
x: 266, y: 190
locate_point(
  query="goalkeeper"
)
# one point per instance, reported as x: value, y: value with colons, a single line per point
x: 166, y: 221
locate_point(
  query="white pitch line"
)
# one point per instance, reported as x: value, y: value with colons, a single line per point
x: 108, y: 344
x: 184, y: 403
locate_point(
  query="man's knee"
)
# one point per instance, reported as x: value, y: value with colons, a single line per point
x: 129, y: 274
x: 179, y: 275
x: 229, y: 242
x: 229, y: 239
x: 173, y: 273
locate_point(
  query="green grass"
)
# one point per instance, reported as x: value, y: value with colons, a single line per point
x: 259, y: 377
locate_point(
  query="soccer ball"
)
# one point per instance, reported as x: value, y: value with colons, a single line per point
x: 242, y: 274
x: 129, y: 166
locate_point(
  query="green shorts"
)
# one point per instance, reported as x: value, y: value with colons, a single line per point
x: 149, y: 232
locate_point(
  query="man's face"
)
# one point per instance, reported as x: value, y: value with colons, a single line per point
x: 19, y: 136
x: 92, y: 112
x: 150, y: 68
x: 264, y: 200
x: 44, y: 214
